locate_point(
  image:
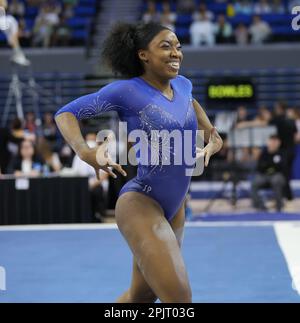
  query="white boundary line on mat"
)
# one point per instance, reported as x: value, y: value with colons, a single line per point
x: 105, y: 226
x: 288, y: 237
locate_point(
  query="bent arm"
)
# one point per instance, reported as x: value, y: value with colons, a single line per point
x: 203, y: 121
x: 68, y: 125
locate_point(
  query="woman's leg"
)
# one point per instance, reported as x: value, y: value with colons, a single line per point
x: 158, y: 265
x: 139, y: 291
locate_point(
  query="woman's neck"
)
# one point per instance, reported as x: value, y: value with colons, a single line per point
x: 162, y: 85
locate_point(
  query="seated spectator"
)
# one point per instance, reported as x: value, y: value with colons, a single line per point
x: 68, y: 11
x: 50, y: 158
x: 262, y: 119
x: 270, y: 173
x: 30, y: 122
x: 259, y: 31
x: 241, y: 115
x: 66, y: 155
x: 151, y: 15
x: 243, y: 7
x: 19, y: 133
x: 167, y: 17
x: 49, y: 129
x: 16, y: 8
x: 202, y: 32
x: 44, y: 24
x: 185, y: 6
x: 262, y: 7
x: 98, y: 188
x: 24, y: 33
x: 61, y: 33
x: 241, y: 34
x: 223, y: 31
x: 71, y: 2
x: 27, y: 163
x: 202, y: 13
x: 278, y: 7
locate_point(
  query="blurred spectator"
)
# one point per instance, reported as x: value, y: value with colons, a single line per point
x: 241, y: 34
x: 24, y: 33
x: 49, y: 129
x: 223, y: 31
x: 68, y: 11
x: 66, y: 156
x: 30, y: 122
x: 286, y: 130
x: 263, y: 118
x: 51, y: 159
x: 243, y: 7
x: 6, y: 137
x: 27, y: 163
x: 230, y: 11
x: 185, y: 6
x: 202, y: 31
x: 262, y: 7
x: 16, y: 8
x: 151, y: 15
x: 297, y: 122
x: 61, y: 33
x: 55, y: 6
x: 270, y: 173
x: 259, y: 31
x: 202, y: 13
x: 167, y: 17
x: 44, y: 24
x: 278, y: 7
x: 241, y: 115
x: 98, y: 188
x: 18, y: 132
x: 71, y: 2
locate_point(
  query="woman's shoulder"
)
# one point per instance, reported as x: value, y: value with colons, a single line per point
x: 119, y: 86
x: 183, y: 82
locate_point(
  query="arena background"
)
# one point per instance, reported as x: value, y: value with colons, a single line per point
x: 221, y: 218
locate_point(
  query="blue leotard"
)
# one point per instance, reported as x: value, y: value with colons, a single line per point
x: 146, y: 108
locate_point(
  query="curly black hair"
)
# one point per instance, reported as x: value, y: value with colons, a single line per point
x: 120, y: 48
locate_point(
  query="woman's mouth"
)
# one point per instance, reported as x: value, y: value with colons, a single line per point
x: 174, y: 65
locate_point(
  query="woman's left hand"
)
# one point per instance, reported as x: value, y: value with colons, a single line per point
x: 214, y: 145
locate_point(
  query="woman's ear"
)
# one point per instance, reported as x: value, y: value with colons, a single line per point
x: 143, y: 56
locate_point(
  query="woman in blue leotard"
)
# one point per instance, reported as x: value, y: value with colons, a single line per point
x: 150, y: 208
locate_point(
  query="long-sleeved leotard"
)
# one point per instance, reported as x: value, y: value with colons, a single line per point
x: 145, y: 108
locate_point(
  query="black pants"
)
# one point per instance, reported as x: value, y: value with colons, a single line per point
x: 276, y: 182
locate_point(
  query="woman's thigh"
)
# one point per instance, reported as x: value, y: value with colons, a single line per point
x: 154, y: 246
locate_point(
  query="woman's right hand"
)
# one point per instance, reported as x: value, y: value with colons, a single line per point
x: 99, y: 158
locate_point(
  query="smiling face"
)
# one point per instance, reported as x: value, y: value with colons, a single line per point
x: 163, y: 56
